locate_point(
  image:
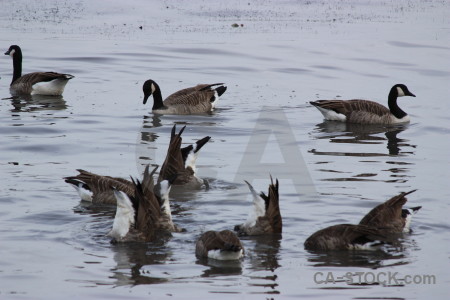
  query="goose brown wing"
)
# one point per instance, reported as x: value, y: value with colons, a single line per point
x: 101, y: 185
x: 33, y: 78
x: 387, y: 214
x: 346, y: 107
x: 201, y: 93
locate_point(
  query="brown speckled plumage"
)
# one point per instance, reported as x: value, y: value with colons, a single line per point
x: 225, y: 240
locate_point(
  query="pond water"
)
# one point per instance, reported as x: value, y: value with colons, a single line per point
x: 284, y: 55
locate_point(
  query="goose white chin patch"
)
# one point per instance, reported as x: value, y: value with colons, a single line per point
x: 12, y: 52
x: 153, y: 88
x: 400, y: 92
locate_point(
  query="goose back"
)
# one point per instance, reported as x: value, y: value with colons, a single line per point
x: 223, y: 245
x: 345, y: 237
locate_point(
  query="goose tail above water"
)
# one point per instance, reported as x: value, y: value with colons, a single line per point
x: 390, y: 215
x: 265, y: 217
x: 181, y: 161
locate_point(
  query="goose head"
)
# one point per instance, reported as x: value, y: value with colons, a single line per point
x: 13, y: 49
x: 401, y: 90
x: 149, y: 88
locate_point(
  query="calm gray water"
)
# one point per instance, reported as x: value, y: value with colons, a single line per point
x: 285, y: 54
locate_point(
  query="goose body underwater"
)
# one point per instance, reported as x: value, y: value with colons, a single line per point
x: 366, y: 111
x: 202, y: 98
x: 37, y: 83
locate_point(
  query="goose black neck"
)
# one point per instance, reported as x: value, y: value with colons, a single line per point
x: 17, y: 65
x: 393, y: 106
x: 157, y: 99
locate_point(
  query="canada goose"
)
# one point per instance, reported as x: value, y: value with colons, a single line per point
x: 346, y: 237
x: 372, y: 230
x: 142, y: 216
x: 265, y: 217
x: 181, y: 161
x: 37, y: 83
x: 223, y: 245
x: 365, y: 111
x: 202, y: 98
x: 390, y: 216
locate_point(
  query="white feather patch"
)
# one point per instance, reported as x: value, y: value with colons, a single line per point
x: 191, y: 159
x: 85, y: 195
x: 400, y: 92
x: 216, y: 100
x: 370, y: 246
x: 405, y: 119
x: 331, y: 115
x: 124, y: 216
x: 259, y: 208
x: 165, y: 190
x: 53, y: 88
x: 225, y: 255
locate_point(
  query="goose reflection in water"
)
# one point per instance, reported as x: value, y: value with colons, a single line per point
x: 30, y: 103
x: 348, y: 133
x: 135, y: 261
x: 395, y: 254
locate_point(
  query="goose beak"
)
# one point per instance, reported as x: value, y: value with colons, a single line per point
x: 410, y: 94
x: 146, y: 98
x: 7, y: 52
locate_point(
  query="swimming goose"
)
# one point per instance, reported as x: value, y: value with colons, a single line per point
x: 142, y: 216
x: 180, y: 162
x: 265, y: 217
x: 37, y: 83
x: 365, y: 111
x: 223, y: 245
x: 97, y: 188
x: 202, y: 98
x: 346, y: 237
x: 390, y: 216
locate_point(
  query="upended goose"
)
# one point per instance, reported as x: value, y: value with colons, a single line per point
x: 390, y: 216
x: 37, y: 83
x: 365, y: 111
x: 180, y: 162
x: 370, y: 233
x: 265, y: 217
x: 142, y: 217
x: 97, y: 188
x: 202, y: 98
x: 220, y: 245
